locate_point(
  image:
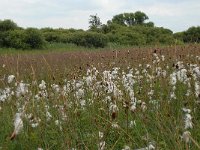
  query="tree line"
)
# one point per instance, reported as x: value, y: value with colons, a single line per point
x: 128, y: 29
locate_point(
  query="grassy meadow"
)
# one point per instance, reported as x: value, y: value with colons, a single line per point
x: 140, y: 98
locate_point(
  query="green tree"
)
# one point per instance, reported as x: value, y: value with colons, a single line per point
x: 95, y: 22
x: 140, y: 17
x: 34, y: 38
x: 119, y: 19
x: 89, y: 39
x: 149, y: 24
x: 192, y: 35
x: 7, y: 25
x: 130, y: 19
x: 15, y: 39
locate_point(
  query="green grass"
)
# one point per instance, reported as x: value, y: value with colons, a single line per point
x: 62, y: 47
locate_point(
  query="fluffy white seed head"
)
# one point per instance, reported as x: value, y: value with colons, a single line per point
x: 18, y: 123
x: 11, y: 78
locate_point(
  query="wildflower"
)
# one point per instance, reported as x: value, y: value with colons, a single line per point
x: 133, y: 107
x: 197, y: 89
x: 55, y: 88
x: 42, y: 85
x: 172, y: 95
x: 79, y: 84
x: 186, y: 136
x: 126, y: 148
x: 88, y: 80
x: 58, y: 123
x: 132, y: 123
x: 113, y: 110
x: 143, y: 106
x: 182, y: 75
x: 82, y: 102
x: 100, y: 135
x: 115, y: 125
x: 34, y: 125
x: 164, y: 73
x: 80, y: 93
x: 11, y: 78
x: 48, y: 115
x: 163, y: 58
x: 18, y: 125
x: 173, y: 79
x: 196, y: 71
x: 188, y: 121
x: 22, y: 89
x: 3, y: 97
x: 149, y: 147
x: 185, y: 110
x: 101, y: 145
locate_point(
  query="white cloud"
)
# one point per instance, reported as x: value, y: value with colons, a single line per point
x: 177, y: 15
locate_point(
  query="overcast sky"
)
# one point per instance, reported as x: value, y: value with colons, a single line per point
x: 177, y: 15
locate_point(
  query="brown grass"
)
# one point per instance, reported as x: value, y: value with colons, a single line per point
x: 70, y: 64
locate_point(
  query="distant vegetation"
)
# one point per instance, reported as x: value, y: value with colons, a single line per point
x: 128, y: 29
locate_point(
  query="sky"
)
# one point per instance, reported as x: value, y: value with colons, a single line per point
x: 177, y: 15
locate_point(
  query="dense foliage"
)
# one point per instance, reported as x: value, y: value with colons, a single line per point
x: 13, y: 36
x: 128, y: 29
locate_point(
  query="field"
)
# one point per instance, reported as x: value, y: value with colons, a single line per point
x: 133, y: 98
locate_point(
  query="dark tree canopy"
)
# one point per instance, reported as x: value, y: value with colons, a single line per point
x: 7, y: 25
x: 192, y: 35
x: 125, y: 29
x: 130, y: 19
x: 94, y: 22
x: 140, y: 17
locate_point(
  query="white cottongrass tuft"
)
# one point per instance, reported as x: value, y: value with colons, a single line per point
x: 18, y: 125
x: 188, y: 121
x: 102, y: 143
x: 22, y: 89
x: 187, y: 118
x: 42, y: 85
x: 55, y: 88
x: 186, y: 136
x: 11, y: 78
x: 126, y: 148
x: 149, y: 147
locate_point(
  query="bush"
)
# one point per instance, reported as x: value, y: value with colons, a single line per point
x: 22, y: 39
x: 3, y: 36
x: 33, y: 38
x: 127, y: 36
x: 192, y: 35
x: 89, y: 39
x: 7, y: 25
x: 52, y: 37
x: 15, y: 39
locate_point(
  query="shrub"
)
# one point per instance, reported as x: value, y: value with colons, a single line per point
x: 89, y: 39
x: 7, y: 25
x: 15, y: 39
x: 52, y: 37
x: 33, y: 38
x: 127, y: 36
x: 192, y: 35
